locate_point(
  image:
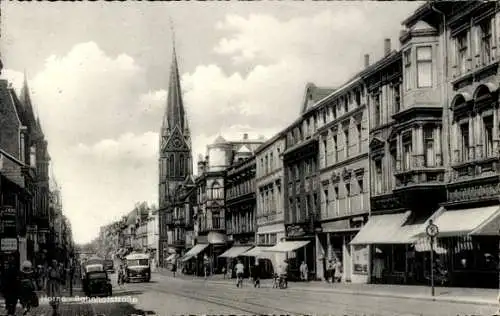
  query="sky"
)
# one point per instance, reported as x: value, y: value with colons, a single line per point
x: 98, y: 73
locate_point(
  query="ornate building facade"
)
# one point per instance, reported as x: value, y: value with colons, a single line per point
x: 343, y: 174
x: 175, y: 161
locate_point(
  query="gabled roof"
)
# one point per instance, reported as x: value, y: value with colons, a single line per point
x: 244, y: 149
x: 313, y: 94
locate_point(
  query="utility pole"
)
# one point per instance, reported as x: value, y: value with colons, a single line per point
x: 432, y: 231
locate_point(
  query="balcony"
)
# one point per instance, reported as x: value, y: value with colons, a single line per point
x: 475, y: 163
x: 216, y: 224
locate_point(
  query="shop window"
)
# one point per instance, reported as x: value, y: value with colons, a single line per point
x: 424, y: 67
x: 488, y: 135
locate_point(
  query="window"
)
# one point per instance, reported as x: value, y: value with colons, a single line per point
x: 33, y: 157
x: 347, y: 189
x: 346, y: 104
x: 346, y: 139
x: 378, y: 112
x: 430, y: 157
x: 486, y: 41
x: 397, y: 97
x: 273, y: 238
x: 361, y: 185
x: 407, y: 70
x: 462, y: 51
x: 378, y: 176
x: 407, y: 151
x: 337, y: 208
x: 358, y: 97
x: 323, y: 113
x: 335, y: 148
x: 297, y: 209
x: 464, y: 132
x: 394, y: 156
x: 325, y: 153
x: 271, y: 161
x: 360, y: 137
x: 488, y: 135
x: 181, y: 165
x: 266, y: 165
x: 22, y: 147
x: 262, y: 239
x: 325, y: 197
x: 424, y: 67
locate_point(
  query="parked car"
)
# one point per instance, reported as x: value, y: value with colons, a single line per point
x: 137, y: 267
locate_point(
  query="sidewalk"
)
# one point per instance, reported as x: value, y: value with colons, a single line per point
x: 444, y: 294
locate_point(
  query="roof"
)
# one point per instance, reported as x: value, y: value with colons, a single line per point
x: 220, y: 140
x: 244, y: 149
x: 313, y: 94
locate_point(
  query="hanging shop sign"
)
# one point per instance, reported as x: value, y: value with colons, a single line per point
x: 8, y: 244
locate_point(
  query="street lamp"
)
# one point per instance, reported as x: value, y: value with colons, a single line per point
x: 432, y: 231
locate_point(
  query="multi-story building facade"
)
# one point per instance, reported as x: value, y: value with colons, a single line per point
x: 175, y: 161
x: 434, y: 148
x: 240, y: 205
x: 468, y: 79
x: 343, y: 173
x: 301, y: 184
x: 270, y: 203
x: 152, y: 231
x: 211, y: 209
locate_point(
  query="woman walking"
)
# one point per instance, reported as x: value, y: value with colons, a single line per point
x: 27, y: 294
x: 54, y: 287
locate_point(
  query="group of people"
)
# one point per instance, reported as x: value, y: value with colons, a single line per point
x: 20, y: 285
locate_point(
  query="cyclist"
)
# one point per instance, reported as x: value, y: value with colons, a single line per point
x: 240, y: 269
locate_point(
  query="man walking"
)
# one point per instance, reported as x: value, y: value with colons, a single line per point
x: 256, y: 272
x: 240, y: 269
x: 304, y: 271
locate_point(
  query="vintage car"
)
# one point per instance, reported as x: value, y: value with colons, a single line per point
x: 137, y: 267
x: 97, y: 283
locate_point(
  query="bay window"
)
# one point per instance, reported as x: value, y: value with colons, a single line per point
x: 424, y: 67
x: 429, y: 147
x: 407, y: 70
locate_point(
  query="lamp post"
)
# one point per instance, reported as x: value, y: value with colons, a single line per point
x: 432, y: 231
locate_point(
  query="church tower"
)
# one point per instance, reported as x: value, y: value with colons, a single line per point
x: 175, y: 158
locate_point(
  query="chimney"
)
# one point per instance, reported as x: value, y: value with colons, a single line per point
x: 387, y: 46
x: 245, y: 136
x: 367, y: 60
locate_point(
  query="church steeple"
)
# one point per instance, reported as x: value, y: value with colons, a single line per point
x: 174, y: 114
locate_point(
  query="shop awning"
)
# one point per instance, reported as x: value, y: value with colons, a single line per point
x: 287, y: 246
x: 235, y: 251
x: 193, y: 252
x: 471, y: 221
x: 386, y: 229
x: 255, y: 252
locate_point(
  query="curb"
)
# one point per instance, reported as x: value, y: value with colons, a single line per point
x: 491, y: 302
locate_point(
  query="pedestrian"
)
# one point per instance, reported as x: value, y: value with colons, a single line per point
x: 240, y: 269
x: 54, y: 286
x: 10, y: 286
x: 304, y: 271
x: 174, y: 266
x: 27, y: 287
x: 378, y: 268
x: 256, y: 273
x: 338, y: 271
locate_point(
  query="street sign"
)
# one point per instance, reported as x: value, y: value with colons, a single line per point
x: 432, y: 230
x: 8, y: 244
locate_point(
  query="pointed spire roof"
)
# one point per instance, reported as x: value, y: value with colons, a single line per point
x: 25, y: 99
x: 175, y: 114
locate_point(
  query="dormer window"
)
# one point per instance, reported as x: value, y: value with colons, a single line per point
x: 424, y: 67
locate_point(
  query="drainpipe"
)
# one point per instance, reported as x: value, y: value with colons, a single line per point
x: 444, y: 56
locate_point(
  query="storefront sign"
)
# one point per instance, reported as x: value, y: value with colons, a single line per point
x: 8, y: 244
x: 360, y: 259
x: 475, y: 192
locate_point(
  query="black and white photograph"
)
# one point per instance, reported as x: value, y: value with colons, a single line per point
x: 250, y: 158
